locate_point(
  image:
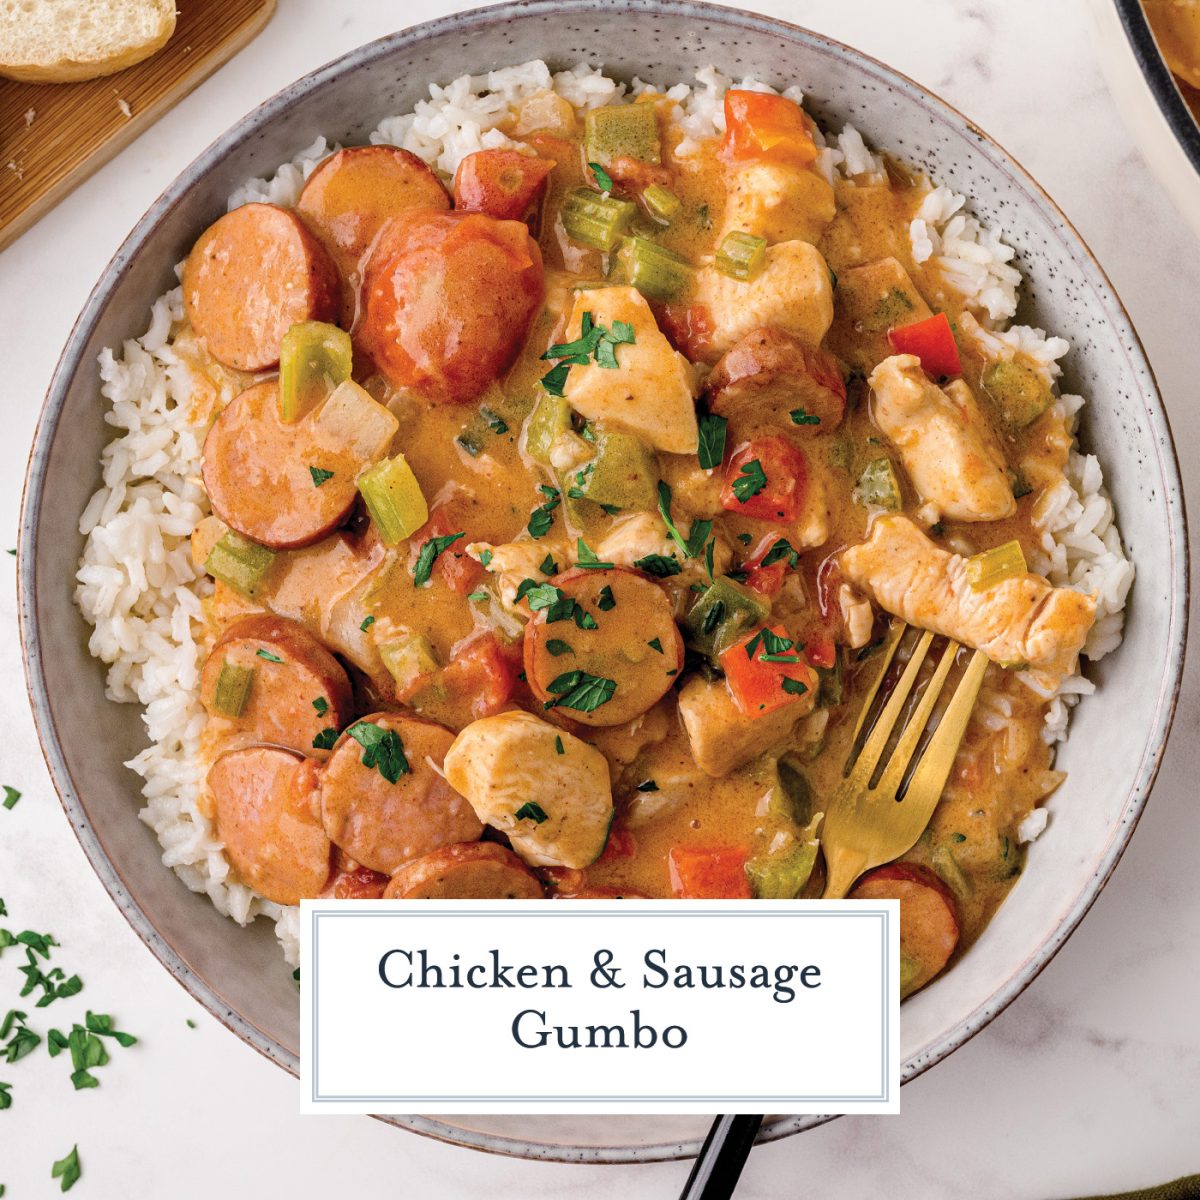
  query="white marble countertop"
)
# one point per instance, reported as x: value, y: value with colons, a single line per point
x: 1090, y: 1082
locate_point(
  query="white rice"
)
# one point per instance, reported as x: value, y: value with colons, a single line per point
x: 137, y: 585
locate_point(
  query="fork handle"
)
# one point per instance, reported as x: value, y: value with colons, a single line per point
x: 844, y: 869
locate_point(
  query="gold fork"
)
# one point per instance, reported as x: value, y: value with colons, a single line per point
x: 867, y: 825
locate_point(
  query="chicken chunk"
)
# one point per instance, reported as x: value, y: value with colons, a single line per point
x: 872, y: 299
x: 722, y: 737
x: 793, y: 292
x: 514, y: 562
x: 1020, y: 620
x: 778, y: 201
x: 554, y: 804
x: 652, y: 391
x: 945, y: 441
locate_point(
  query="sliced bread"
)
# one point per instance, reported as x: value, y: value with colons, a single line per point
x: 60, y: 41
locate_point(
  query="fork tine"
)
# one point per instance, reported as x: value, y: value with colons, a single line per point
x: 895, y: 633
x: 877, y: 740
x: 933, y: 770
x: 906, y: 746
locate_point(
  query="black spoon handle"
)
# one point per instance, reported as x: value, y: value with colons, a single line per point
x: 719, y: 1164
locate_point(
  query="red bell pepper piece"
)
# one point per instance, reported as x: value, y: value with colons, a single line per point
x: 502, y: 183
x: 821, y: 651
x: 765, y: 670
x: 932, y: 341
x: 709, y: 872
x: 759, y: 125
x: 768, y: 479
x: 485, y: 671
x: 766, y: 580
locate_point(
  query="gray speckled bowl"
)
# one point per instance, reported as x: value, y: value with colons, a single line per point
x: 1118, y: 734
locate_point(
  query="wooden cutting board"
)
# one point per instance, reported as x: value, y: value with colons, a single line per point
x: 54, y: 135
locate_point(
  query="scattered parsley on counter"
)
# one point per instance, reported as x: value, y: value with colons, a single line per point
x: 11, y: 796
x: 67, y: 1169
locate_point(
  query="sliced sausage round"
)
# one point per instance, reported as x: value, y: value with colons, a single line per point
x: 258, y: 477
x: 635, y: 646
x: 264, y: 798
x: 252, y: 275
x: 602, y: 893
x: 382, y: 824
x: 289, y: 687
x: 467, y: 871
x: 928, y: 918
x: 355, y: 192
x: 770, y: 379
x: 448, y: 298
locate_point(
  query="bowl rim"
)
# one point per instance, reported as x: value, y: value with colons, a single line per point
x: 72, y: 360
x: 1158, y: 77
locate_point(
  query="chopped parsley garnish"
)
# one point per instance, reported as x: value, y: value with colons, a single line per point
x: 714, y: 616
x: 557, y: 646
x: 542, y: 517
x: 647, y: 786
x: 549, y: 566
x: 703, y: 219
x: 545, y: 596
x: 11, y: 796
x: 773, y: 647
x: 269, y: 655
x: 745, y: 539
x: 325, y: 739
x: 428, y: 556
x: 606, y: 601
x: 801, y: 417
x: 581, y: 691
x: 485, y: 559
x: 558, y: 745
x: 792, y: 686
x: 68, y: 1170
x: 601, y: 176
x: 319, y: 475
x: 481, y: 596
x: 750, y: 481
x: 367, y: 622
x: 780, y: 550
x: 655, y: 644
x: 495, y: 422
x: 539, y: 595
x: 587, y: 557
x: 958, y: 837
x: 531, y: 811
x: 321, y: 705
x: 382, y: 750
x: 660, y: 565
x: 711, y: 452
x: 710, y: 552
x: 693, y: 544
x: 595, y: 343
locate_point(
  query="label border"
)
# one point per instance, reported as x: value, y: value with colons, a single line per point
x: 884, y: 1096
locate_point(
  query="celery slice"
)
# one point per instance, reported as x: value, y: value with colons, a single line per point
x: 990, y: 567
x: 239, y: 562
x: 622, y: 131
x: 654, y: 270
x: 661, y: 202
x: 741, y: 255
x: 596, y: 221
x: 313, y: 359
x: 550, y: 419
x: 394, y: 499
x: 233, y: 689
x: 408, y: 658
x: 624, y: 473
x: 878, y: 485
x: 1018, y: 391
